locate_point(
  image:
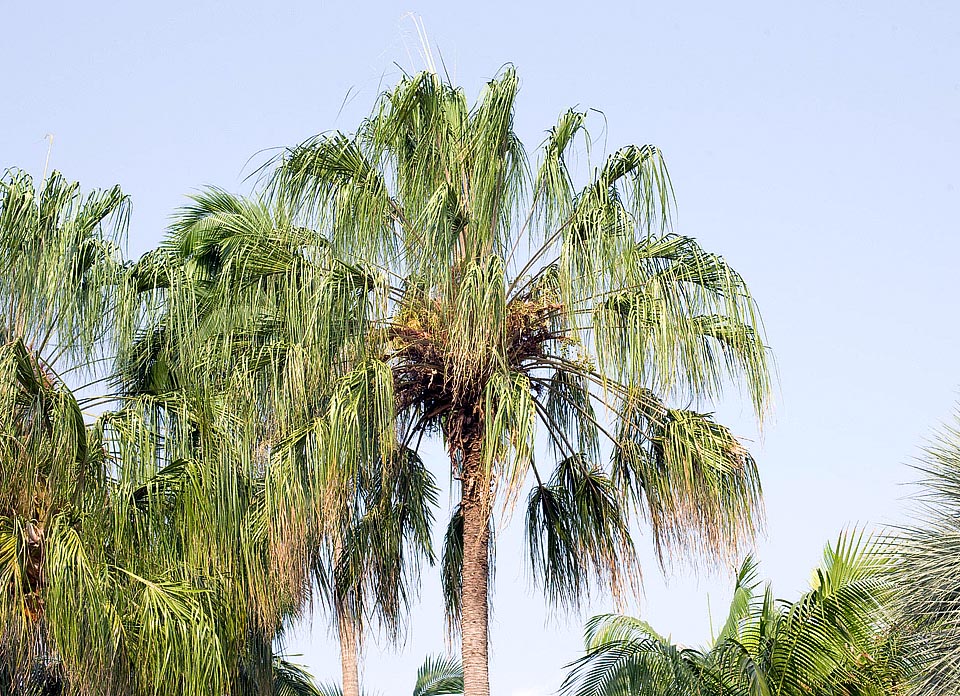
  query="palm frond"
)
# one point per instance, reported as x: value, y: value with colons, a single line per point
x: 439, y: 675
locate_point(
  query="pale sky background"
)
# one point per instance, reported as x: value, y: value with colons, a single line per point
x: 814, y: 144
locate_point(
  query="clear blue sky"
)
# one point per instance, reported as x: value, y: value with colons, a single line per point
x: 815, y: 145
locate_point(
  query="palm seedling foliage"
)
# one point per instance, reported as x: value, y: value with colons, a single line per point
x: 839, y: 638
x: 465, y: 295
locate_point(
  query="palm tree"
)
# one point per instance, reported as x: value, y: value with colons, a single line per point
x: 838, y: 638
x: 929, y: 567
x: 221, y: 324
x: 94, y: 593
x: 130, y: 561
x: 464, y: 295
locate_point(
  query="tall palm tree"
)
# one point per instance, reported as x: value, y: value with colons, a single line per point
x: 838, y: 638
x: 491, y: 299
x: 131, y: 559
x: 929, y: 566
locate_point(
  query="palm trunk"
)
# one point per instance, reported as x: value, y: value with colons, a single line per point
x: 349, y: 656
x: 476, y: 561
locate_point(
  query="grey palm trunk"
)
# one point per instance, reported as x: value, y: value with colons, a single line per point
x: 476, y: 573
x: 349, y: 655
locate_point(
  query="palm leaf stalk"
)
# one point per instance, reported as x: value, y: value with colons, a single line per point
x: 459, y: 293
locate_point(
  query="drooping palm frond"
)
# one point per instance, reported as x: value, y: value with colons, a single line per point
x: 378, y: 570
x: 60, y: 252
x: 578, y: 533
x: 697, y: 484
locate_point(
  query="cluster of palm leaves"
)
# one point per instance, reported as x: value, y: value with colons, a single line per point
x: 197, y: 446
x: 842, y: 637
x: 110, y: 570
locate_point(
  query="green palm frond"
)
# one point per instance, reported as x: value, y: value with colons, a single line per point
x: 60, y: 255
x: 577, y: 533
x: 744, y: 601
x: 698, y: 485
x: 439, y: 675
x: 290, y: 679
x: 625, y: 656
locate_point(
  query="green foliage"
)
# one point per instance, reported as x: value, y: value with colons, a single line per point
x: 270, y: 370
x: 93, y: 589
x: 439, y: 675
x: 839, y: 638
x: 929, y: 567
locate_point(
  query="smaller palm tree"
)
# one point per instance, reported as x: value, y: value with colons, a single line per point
x: 837, y: 638
x: 233, y: 272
